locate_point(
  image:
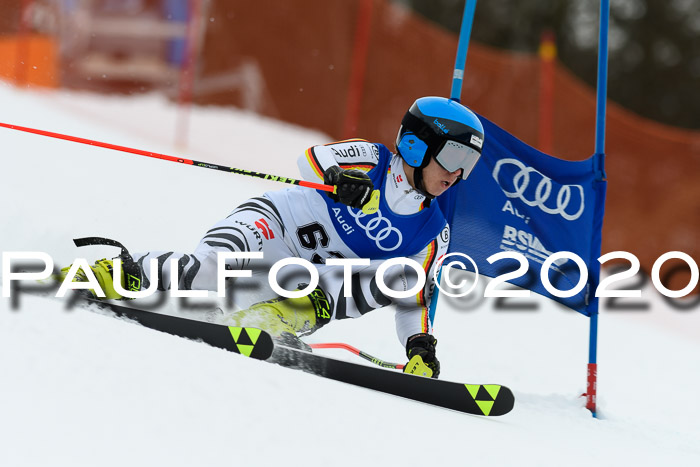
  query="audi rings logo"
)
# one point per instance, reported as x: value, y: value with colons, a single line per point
x: 379, y: 228
x: 567, y: 198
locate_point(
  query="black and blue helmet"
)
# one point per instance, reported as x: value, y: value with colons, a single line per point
x: 441, y: 129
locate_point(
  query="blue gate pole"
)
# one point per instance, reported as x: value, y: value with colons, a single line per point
x: 455, y: 94
x: 602, y: 89
x: 465, y: 33
x: 601, y: 95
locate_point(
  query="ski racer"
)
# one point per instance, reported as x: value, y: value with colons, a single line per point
x: 438, y: 144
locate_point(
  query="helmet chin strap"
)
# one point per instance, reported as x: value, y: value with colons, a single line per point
x: 420, y: 186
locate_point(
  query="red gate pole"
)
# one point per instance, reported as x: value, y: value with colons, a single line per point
x: 548, y: 52
x: 187, y: 75
x: 358, y: 68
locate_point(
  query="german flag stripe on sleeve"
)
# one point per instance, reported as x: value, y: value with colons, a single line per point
x: 425, y: 320
x: 351, y: 140
x: 313, y: 162
x: 363, y: 167
x: 421, y: 297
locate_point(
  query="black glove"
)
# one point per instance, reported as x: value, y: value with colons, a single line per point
x: 353, y: 187
x: 423, y: 345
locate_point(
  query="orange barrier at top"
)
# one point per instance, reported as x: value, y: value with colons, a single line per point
x: 29, y: 59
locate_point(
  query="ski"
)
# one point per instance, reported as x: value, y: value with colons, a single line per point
x: 476, y: 399
x: 251, y: 342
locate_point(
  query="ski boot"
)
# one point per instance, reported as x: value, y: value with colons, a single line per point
x: 285, y: 318
x: 103, y: 271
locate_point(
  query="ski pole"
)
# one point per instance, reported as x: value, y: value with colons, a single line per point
x: 370, y: 206
x: 358, y: 352
x: 139, y: 152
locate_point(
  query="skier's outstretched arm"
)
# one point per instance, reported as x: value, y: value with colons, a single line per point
x: 414, y: 325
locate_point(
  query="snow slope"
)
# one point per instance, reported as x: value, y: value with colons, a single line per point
x: 78, y: 388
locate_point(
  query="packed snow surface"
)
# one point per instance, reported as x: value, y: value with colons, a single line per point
x: 79, y: 388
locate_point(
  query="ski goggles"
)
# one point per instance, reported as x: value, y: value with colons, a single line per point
x: 454, y: 155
